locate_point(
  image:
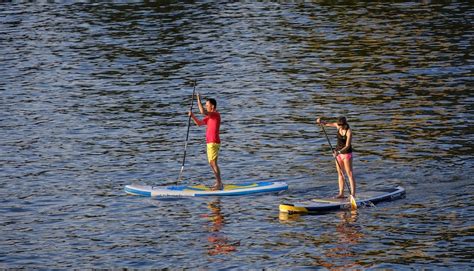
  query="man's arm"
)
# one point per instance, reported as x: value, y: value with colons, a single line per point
x: 201, y: 108
x: 195, y: 119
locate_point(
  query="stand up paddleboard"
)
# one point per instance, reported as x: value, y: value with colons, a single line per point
x: 323, y: 205
x: 203, y: 191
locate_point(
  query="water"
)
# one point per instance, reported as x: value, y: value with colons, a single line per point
x: 94, y: 96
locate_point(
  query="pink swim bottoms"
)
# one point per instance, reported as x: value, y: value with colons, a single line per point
x: 344, y: 157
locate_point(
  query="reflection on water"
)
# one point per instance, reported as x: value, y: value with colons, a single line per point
x: 218, y: 243
x: 338, y: 249
x: 348, y: 236
x: 288, y: 217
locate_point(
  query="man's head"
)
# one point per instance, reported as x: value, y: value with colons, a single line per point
x: 211, y: 105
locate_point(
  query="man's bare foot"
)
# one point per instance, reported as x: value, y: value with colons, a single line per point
x: 340, y: 196
x: 217, y: 187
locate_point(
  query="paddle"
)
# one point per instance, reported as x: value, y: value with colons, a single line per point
x: 351, y: 198
x: 187, y: 134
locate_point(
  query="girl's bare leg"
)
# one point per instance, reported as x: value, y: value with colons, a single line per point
x: 340, y: 179
x: 350, y: 175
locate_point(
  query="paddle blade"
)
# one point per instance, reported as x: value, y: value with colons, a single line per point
x: 353, y: 203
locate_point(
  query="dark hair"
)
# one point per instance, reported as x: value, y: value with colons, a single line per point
x: 343, y: 122
x: 213, y: 102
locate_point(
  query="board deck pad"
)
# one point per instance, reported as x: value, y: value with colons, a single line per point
x: 321, y: 205
x: 200, y: 190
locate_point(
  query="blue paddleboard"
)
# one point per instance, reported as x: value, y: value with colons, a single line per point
x: 321, y: 205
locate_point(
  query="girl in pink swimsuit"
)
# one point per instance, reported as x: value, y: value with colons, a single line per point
x: 343, y: 153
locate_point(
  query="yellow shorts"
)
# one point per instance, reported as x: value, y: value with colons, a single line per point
x: 213, y: 151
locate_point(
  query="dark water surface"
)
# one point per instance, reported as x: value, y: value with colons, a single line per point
x: 94, y: 96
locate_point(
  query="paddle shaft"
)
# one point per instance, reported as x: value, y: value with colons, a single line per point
x: 335, y: 158
x: 187, y: 134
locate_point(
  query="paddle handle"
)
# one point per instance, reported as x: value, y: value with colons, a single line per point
x: 189, y: 119
x: 187, y: 134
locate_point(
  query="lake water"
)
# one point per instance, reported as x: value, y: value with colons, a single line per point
x: 94, y: 97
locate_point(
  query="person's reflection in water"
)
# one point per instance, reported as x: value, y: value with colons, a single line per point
x: 349, y: 232
x: 349, y: 235
x: 342, y: 254
x: 218, y: 243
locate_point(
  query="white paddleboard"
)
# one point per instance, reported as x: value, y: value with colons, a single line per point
x: 202, y: 190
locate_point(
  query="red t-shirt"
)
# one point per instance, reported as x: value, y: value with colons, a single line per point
x: 213, y: 122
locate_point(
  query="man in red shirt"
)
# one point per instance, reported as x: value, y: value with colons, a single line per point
x: 212, y: 120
